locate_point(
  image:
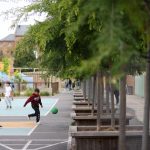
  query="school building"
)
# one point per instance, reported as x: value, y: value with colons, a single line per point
x: 8, y: 43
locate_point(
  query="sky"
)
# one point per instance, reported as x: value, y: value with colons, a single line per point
x: 5, y: 23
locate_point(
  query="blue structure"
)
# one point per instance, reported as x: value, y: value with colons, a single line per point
x: 4, y: 77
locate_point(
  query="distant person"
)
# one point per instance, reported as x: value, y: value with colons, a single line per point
x: 66, y: 84
x: 73, y: 85
x: 12, y: 86
x: 69, y: 84
x: 116, y: 91
x: 78, y: 84
x: 8, y: 95
x: 35, y: 100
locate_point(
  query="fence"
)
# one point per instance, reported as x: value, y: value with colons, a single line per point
x: 26, y: 88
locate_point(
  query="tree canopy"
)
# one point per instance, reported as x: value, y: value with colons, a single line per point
x: 80, y: 37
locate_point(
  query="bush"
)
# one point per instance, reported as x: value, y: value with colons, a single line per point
x: 44, y: 93
x: 28, y: 92
x: 16, y: 94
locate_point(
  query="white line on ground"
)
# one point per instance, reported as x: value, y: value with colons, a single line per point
x: 51, y: 107
x: 27, y: 145
x: 30, y: 132
x: 6, y: 146
x: 52, y: 145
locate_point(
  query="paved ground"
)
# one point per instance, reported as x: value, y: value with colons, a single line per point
x: 50, y: 134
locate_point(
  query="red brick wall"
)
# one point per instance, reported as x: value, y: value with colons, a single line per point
x: 131, y: 82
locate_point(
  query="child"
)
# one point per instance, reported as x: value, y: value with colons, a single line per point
x: 35, y: 100
x: 8, y: 95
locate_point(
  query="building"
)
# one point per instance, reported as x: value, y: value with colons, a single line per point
x: 8, y: 43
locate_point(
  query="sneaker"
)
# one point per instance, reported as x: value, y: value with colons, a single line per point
x: 38, y: 122
x: 28, y: 117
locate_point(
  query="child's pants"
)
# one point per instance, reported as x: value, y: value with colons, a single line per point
x: 36, y: 114
x: 8, y: 101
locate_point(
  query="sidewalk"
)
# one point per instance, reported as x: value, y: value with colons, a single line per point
x: 135, y: 105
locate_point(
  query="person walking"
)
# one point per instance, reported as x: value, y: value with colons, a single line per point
x: 70, y: 84
x: 35, y: 101
x: 8, y: 95
x: 116, y: 91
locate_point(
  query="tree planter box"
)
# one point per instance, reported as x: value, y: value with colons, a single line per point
x: 87, y: 138
x: 77, y: 94
x: 92, y: 120
x: 80, y: 98
x: 86, y: 109
x: 82, y: 103
x: 83, y: 109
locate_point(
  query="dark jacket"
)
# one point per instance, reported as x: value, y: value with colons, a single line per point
x: 35, y: 100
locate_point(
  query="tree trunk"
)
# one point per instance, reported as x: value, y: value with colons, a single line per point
x: 19, y: 88
x: 93, y: 99
x: 122, y: 123
x: 102, y: 84
x: 145, y: 140
x: 84, y: 89
x: 99, y: 92
x: 107, y: 94
x: 112, y: 108
x: 89, y: 91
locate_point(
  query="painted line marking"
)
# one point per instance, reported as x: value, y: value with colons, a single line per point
x: 51, y: 107
x: 52, y: 145
x: 27, y: 145
x: 6, y: 146
x: 31, y: 131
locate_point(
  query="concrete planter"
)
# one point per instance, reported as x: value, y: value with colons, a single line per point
x: 87, y: 138
x: 89, y: 120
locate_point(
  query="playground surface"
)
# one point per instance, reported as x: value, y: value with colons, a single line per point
x: 19, y: 133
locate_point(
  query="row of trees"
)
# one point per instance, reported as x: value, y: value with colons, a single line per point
x: 83, y: 38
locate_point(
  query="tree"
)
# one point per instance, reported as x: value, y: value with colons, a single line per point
x: 5, y: 65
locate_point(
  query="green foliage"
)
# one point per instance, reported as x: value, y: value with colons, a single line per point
x: 6, y: 64
x: 28, y: 92
x: 44, y: 93
x: 80, y: 37
x: 16, y: 93
x: 17, y: 77
x: 24, y: 55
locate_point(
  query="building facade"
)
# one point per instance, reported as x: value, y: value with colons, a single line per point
x: 8, y: 43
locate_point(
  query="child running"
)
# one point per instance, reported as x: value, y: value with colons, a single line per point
x: 35, y: 100
x: 8, y: 95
